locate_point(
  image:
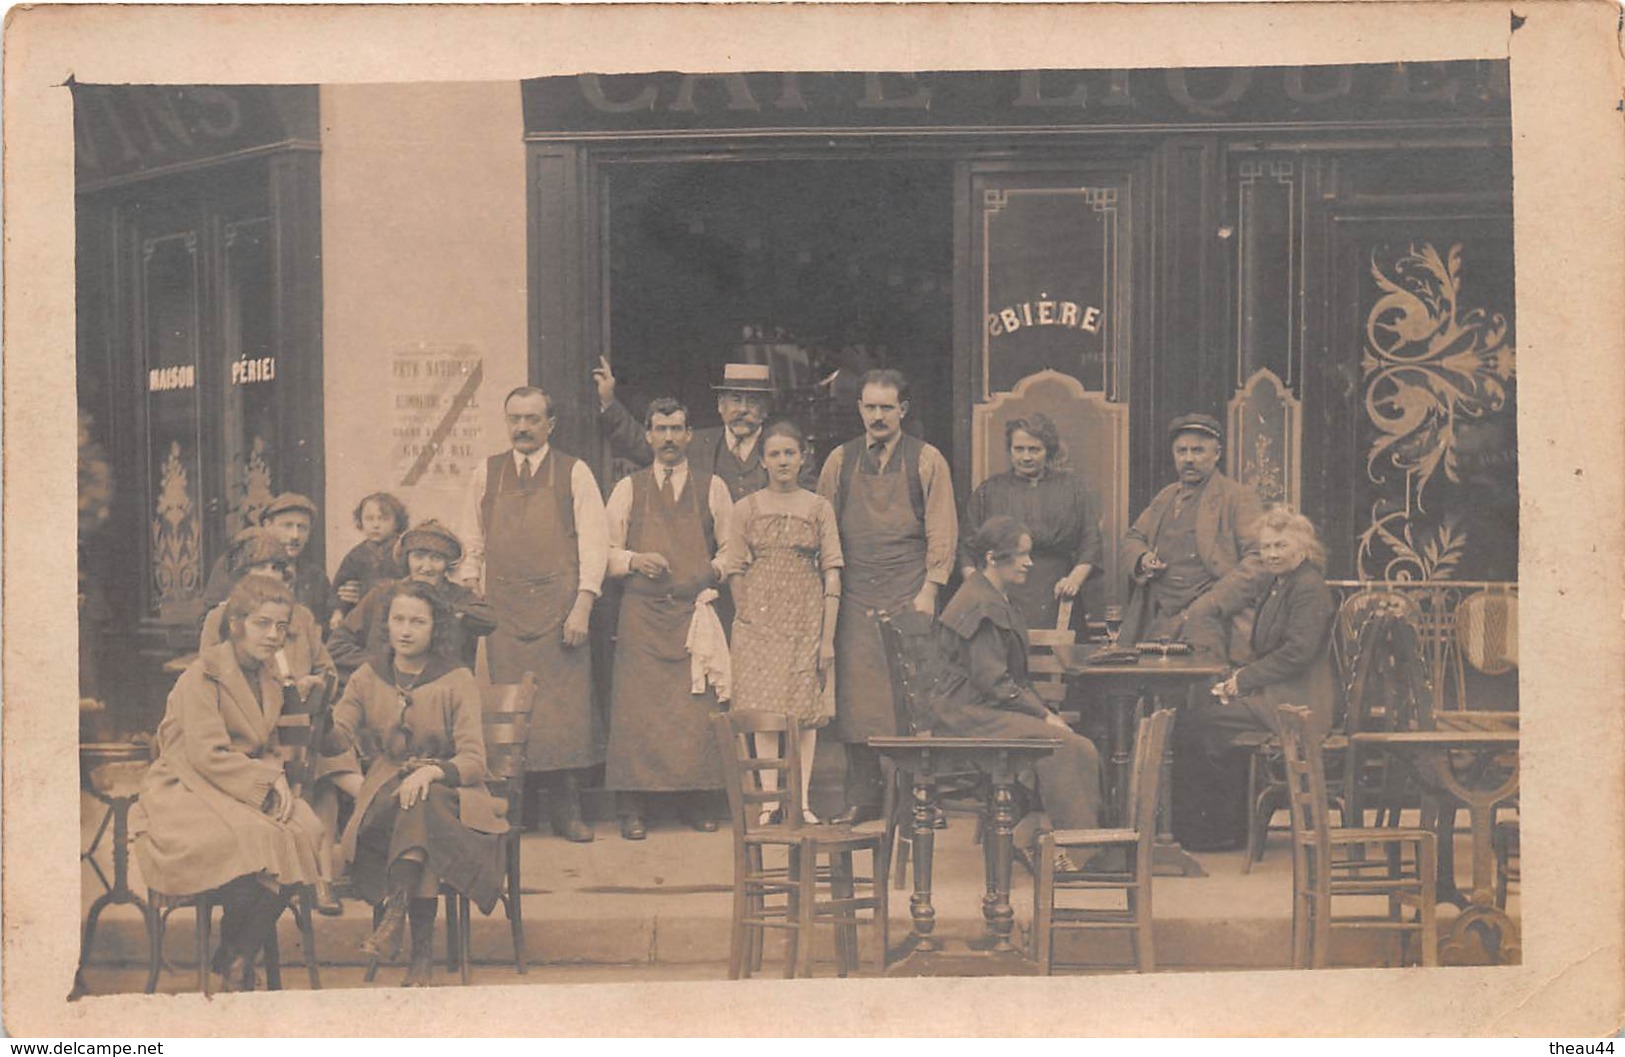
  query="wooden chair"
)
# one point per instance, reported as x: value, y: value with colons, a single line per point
x: 1045, y: 670
x: 813, y: 854
x: 1323, y: 868
x: 1135, y: 840
x: 506, y: 717
x: 1380, y: 659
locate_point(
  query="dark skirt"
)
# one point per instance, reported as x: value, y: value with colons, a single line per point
x: 468, y: 861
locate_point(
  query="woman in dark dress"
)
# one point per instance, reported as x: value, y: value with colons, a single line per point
x: 1291, y: 666
x: 424, y: 817
x: 984, y: 692
x: 1058, y: 510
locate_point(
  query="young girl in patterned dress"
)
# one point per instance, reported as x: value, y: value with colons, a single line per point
x: 786, y: 588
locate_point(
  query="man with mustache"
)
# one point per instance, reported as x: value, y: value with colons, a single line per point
x: 535, y: 544
x: 894, y: 501
x: 665, y: 522
x: 1195, y: 537
x: 731, y: 451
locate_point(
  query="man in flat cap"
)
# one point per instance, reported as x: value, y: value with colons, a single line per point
x: 732, y: 451
x: 288, y: 519
x: 1196, y: 536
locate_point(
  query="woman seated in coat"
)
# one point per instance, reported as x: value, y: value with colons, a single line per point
x: 424, y: 817
x: 302, y: 663
x: 1291, y: 666
x: 985, y: 693
x: 428, y: 551
x: 219, y: 814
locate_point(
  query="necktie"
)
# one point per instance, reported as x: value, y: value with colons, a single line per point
x: 525, y: 473
x: 665, y: 485
x: 877, y: 451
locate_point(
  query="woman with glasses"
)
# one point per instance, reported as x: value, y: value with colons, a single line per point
x: 218, y: 814
x: 302, y: 664
x: 424, y: 817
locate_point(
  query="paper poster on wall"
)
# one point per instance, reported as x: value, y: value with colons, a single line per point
x: 435, y: 430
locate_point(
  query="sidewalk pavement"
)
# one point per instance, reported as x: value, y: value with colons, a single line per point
x: 659, y: 909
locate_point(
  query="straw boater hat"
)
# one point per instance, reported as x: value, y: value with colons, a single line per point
x: 430, y: 536
x: 288, y: 501
x: 1196, y: 423
x: 746, y: 378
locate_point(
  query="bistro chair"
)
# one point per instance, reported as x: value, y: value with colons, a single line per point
x: 1328, y: 864
x: 1045, y: 668
x: 1135, y: 840
x: 1385, y: 688
x: 1508, y: 861
x: 788, y: 897
x: 506, y: 718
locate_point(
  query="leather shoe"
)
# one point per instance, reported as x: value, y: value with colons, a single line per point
x: 704, y: 825
x: 632, y: 828
x: 326, y: 902
x: 856, y: 815
x: 573, y: 829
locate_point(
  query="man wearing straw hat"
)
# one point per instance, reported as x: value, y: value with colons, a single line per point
x: 732, y: 451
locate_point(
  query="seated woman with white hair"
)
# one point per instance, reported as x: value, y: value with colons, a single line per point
x: 1291, y: 666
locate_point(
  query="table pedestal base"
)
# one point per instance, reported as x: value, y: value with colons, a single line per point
x: 1481, y: 935
x: 921, y: 956
x: 1169, y: 859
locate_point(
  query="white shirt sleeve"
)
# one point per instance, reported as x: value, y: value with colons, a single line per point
x: 592, y: 531
x: 471, y: 570
x: 722, y: 506
x: 617, y: 516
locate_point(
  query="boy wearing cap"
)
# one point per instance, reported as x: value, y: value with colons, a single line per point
x: 1195, y: 537
x: 288, y: 519
x: 428, y: 550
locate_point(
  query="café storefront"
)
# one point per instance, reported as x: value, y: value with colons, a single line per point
x: 1320, y: 256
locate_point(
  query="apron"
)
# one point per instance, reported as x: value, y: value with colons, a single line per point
x: 660, y: 736
x: 883, y: 542
x: 531, y: 579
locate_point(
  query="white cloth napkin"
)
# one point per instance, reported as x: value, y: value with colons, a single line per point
x: 709, y: 661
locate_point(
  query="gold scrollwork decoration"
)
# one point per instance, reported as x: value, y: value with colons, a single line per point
x: 1429, y: 366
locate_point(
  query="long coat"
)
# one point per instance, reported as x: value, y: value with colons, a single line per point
x: 1291, y: 645
x: 202, y: 799
x: 444, y: 720
x: 1226, y: 543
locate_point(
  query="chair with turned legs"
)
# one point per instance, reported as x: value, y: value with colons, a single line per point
x: 817, y: 883
x: 1330, y: 864
x: 1134, y: 842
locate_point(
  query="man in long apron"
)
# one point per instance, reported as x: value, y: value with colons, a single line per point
x: 665, y: 522
x: 894, y: 499
x: 536, y: 540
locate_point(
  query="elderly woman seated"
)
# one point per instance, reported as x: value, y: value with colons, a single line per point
x: 985, y: 692
x: 424, y: 816
x: 218, y: 812
x: 1291, y: 665
x: 303, y: 663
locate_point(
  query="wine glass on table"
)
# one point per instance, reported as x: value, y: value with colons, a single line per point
x: 1114, y: 625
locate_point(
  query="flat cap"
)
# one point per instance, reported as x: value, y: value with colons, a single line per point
x: 1196, y: 423
x: 431, y: 536
x: 287, y: 502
